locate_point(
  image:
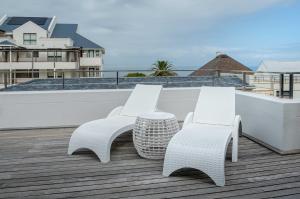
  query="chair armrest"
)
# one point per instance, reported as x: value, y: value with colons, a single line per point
x: 116, y: 111
x: 188, y: 119
x: 235, y: 138
x: 236, y: 125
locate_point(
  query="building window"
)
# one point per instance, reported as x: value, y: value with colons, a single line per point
x: 88, y: 53
x: 50, y: 74
x: 97, y: 53
x: 55, y: 56
x: 27, y: 54
x: 92, y: 72
x: 35, y: 53
x: 29, y: 38
x: 27, y: 74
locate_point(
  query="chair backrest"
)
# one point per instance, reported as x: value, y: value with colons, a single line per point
x: 216, y: 105
x: 143, y: 99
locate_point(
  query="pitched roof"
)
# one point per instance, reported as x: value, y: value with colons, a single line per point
x: 279, y: 66
x: 7, y: 43
x: 223, y: 63
x: 12, y: 23
x: 70, y: 31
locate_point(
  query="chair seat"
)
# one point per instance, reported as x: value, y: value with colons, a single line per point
x: 98, y: 135
x: 210, y: 136
x: 105, y: 127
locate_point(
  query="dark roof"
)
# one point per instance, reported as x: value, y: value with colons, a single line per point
x: 69, y: 31
x: 7, y: 43
x: 222, y: 63
x: 12, y: 23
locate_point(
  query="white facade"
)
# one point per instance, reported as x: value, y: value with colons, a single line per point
x: 29, y: 27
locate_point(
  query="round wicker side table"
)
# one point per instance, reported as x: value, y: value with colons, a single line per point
x: 152, y: 133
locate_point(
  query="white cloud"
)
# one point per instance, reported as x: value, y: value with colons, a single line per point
x: 136, y: 32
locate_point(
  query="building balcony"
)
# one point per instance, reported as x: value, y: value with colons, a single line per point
x: 41, y: 65
x: 90, y: 61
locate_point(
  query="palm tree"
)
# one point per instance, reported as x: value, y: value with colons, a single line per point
x: 163, y: 68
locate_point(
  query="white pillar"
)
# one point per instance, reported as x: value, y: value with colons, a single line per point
x: 54, y: 73
x: 10, y: 76
x: 10, y: 70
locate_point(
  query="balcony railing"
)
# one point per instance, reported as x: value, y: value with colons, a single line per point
x: 39, y: 55
x: 66, y: 76
x: 90, y: 61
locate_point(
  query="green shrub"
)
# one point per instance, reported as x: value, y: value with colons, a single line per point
x: 135, y: 75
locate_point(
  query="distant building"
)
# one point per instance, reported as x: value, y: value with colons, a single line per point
x: 266, y: 79
x: 221, y: 63
x: 279, y: 66
x: 46, y: 47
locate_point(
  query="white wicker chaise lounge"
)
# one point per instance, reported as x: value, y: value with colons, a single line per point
x: 98, y: 135
x: 205, y: 135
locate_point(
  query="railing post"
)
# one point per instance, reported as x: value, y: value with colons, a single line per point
x: 213, y: 80
x: 281, y: 85
x: 291, y: 86
x: 5, y: 79
x: 167, y: 78
x: 117, y: 75
x: 63, y: 80
x: 218, y: 73
x: 244, y: 78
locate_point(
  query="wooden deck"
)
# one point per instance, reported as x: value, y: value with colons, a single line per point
x: 35, y: 164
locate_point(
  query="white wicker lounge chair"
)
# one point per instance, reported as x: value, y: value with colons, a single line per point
x: 205, y: 135
x: 98, y: 135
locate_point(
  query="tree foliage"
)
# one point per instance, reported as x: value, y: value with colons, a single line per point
x: 163, y: 68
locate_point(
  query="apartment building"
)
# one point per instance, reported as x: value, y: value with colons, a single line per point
x: 42, y: 48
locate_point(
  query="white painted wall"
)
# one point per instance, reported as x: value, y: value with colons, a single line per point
x: 72, y: 108
x: 29, y: 27
x: 272, y: 120
x: 90, y: 61
x: 55, y: 42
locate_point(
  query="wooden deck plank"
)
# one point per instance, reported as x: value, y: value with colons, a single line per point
x: 34, y: 164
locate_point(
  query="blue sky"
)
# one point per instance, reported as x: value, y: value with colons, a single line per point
x: 188, y: 33
x: 272, y: 33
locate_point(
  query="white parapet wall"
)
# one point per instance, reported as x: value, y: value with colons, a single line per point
x: 272, y: 121
x: 42, y: 109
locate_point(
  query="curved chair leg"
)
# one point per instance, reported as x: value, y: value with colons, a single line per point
x: 169, y: 169
x: 102, y: 150
x: 103, y: 155
x: 213, y: 165
x: 218, y: 175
